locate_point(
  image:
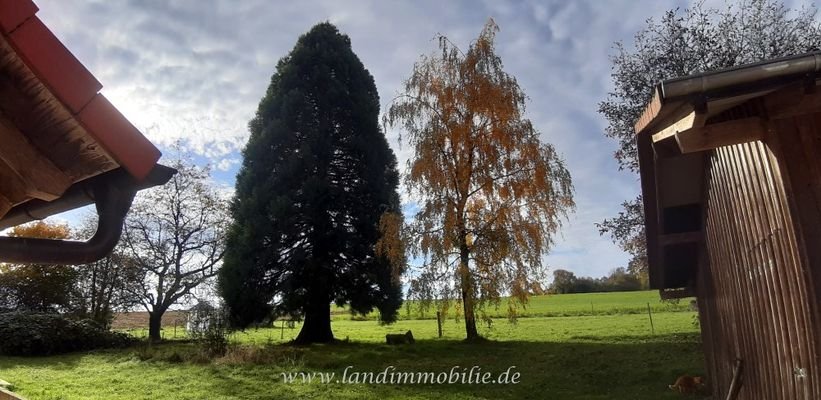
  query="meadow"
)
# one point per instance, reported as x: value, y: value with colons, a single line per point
x: 615, y: 355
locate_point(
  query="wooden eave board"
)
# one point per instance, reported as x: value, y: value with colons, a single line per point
x: 56, y: 127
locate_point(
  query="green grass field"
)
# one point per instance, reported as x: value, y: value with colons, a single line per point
x: 563, y: 305
x: 606, y: 356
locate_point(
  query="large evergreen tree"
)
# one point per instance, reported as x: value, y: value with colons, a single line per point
x: 316, y: 211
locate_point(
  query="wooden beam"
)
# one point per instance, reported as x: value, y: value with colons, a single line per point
x: 721, y: 134
x: 676, y: 238
x: 650, y: 112
x: 793, y: 101
x: 694, y: 119
x: 647, y: 172
x: 5, y: 205
x: 12, y: 186
x: 42, y: 179
x: 678, y: 293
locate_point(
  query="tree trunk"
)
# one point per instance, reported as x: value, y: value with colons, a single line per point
x: 317, y: 326
x: 154, y: 325
x: 467, y: 294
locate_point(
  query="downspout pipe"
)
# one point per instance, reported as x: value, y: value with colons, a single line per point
x: 112, y: 198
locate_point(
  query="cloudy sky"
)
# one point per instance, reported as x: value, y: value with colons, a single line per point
x: 195, y: 71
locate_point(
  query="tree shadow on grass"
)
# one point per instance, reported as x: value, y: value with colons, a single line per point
x: 619, y: 367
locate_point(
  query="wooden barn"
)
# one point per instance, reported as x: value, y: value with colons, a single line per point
x: 731, y: 178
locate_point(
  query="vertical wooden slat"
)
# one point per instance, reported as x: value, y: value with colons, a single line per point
x: 769, y: 296
x: 756, y: 304
x: 789, y: 341
x: 744, y: 274
x: 779, y: 280
x: 728, y: 280
x: 796, y: 140
x: 727, y: 328
x: 732, y: 282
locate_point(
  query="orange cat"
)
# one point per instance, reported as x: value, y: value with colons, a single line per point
x: 687, y: 384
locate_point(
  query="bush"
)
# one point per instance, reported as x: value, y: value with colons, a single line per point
x: 39, y: 334
x: 207, y: 325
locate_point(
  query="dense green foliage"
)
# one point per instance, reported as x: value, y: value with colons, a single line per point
x: 36, y: 334
x: 91, y: 291
x: 38, y: 288
x: 619, y: 280
x: 317, y: 180
x: 34, y: 287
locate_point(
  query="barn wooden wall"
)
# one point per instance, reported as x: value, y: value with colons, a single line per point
x: 755, y: 287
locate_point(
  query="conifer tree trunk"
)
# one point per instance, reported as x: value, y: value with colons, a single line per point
x: 317, y: 326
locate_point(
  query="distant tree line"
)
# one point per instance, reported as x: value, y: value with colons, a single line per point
x: 619, y: 280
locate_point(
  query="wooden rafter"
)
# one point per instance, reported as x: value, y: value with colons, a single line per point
x: 694, y: 119
x: 677, y: 238
x: 721, y: 134
x: 5, y: 205
x: 41, y: 178
x: 13, y: 187
x: 793, y: 101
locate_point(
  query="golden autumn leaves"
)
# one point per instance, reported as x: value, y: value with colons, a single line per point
x: 491, y: 195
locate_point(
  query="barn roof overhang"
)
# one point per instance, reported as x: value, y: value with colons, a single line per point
x: 64, y: 145
x: 686, y: 119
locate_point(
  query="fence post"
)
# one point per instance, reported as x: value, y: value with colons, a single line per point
x: 649, y: 313
x: 282, y: 330
x: 439, y: 322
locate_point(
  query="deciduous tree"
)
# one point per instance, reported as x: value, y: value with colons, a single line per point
x: 175, y: 235
x: 107, y: 285
x: 38, y: 287
x: 491, y: 193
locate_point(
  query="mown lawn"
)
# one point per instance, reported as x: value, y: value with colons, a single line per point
x: 588, y: 357
x: 561, y: 305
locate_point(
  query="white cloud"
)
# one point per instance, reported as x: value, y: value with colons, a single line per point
x: 195, y: 71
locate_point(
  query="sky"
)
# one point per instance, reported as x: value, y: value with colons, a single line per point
x: 193, y: 71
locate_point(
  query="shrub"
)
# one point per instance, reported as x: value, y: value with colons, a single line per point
x: 207, y: 325
x: 38, y: 334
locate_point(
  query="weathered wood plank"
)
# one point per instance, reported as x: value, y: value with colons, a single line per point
x: 46, y: 122
x: 676, y: 238
x: 5, y: 206
x: 792, y: 101
x: 694, y: 119
x: 800, y: 141
x: 721, y: 134
x: 42, y: 179
x: 13, y: 187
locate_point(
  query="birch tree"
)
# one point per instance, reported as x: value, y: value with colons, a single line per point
x: 491, y: 194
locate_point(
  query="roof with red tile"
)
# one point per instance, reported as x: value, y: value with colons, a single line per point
x: 51, y: 102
